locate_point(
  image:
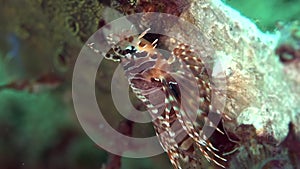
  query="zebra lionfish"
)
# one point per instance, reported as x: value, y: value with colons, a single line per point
x: 151, y: 73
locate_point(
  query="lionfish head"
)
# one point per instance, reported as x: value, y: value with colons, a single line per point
x: 139, y: 59
x: 130, y: 47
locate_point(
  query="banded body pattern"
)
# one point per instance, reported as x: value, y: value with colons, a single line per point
x: 176, y: 89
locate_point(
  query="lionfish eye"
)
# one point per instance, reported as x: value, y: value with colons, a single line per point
x: 113, y: 57
x: 130, y: 49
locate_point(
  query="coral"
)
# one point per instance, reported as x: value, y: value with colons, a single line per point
x: 255, y: 152
x: 288, y: 50
x: 54, y: 29
x: 260, y: 158
x: 82, y: 17
x: 258, y: 90
x: 288, y: 47
x: 174, y: 7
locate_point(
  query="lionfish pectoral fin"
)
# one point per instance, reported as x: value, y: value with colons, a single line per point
x: 208, y: 146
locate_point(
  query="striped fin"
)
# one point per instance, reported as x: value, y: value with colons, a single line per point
x: 185, y: 56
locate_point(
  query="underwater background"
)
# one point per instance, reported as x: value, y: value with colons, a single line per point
x: 40, y: 41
